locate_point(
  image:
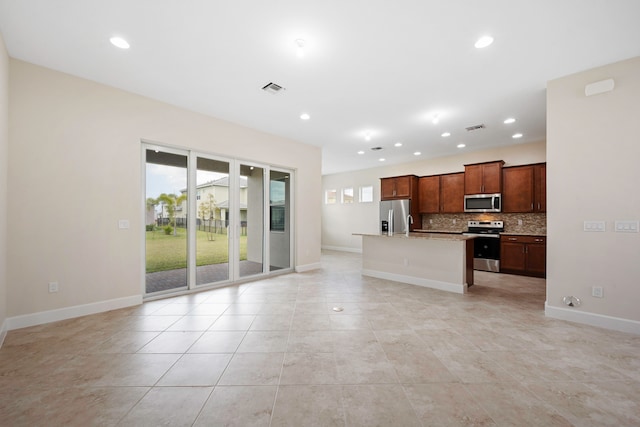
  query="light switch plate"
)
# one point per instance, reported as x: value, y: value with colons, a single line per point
x: 123, y: 224
x: 626, y: 227
x: 597, y: 226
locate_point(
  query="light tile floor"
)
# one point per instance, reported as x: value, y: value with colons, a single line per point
x: 273, y: 352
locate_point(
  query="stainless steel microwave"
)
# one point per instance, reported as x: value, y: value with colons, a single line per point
x: 483, y: 202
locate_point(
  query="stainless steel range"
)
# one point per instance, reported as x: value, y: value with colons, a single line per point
x: 486, y: 245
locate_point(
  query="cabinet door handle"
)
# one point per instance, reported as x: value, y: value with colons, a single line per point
x: 531, y: 206
x: 538, y: 206
x: 523, y: 251
x: 513, y: 238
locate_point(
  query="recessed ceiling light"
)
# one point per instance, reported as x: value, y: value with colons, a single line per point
x: 509, y: 121
x: 446, y: 134
x: 305, y: 116
x: 483, y: 42
x: 461, y: 145
x: 417, y: 153
x: 435, y: 119
x: 119, y: 42
x: 382, y: 159
x: 360, y: 152
x: 517, y: 135
x: 367, y: 136
x: 398, y: 144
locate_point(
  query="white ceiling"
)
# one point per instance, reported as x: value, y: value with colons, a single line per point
x: 380, y: 66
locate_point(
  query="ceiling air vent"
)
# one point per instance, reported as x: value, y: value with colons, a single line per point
x: 376, y: 148
x: 272, y: 88
x: 476, y: 127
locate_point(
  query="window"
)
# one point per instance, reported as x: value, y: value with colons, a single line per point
x: 330, y: 197
x: 366, y: 194
x: 347, y: 195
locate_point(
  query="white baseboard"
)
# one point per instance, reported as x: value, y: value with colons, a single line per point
x: 427, y: 283
x: 342, y: 249
x: 3, y: 332
x: 593, y: 319
x: 42, y: 317
x: 308, y: 267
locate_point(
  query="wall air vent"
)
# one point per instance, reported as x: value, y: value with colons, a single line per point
x: 376, y: 148
x: 476, y: 127
x: 272, y: 88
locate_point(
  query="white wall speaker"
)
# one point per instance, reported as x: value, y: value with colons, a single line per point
x: 599, y: 87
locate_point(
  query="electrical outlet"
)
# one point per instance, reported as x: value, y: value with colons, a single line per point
x: 596, y: 291
x: 53, y: 287
x: 519, y: 222
x: 454, y: 221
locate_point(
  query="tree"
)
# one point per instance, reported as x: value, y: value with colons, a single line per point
x: 171, y: 201
x: 210, y: 208
x: 151, y: 206
x: 207, y: 211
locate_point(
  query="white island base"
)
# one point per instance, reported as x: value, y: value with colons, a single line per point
x: 439, y: 261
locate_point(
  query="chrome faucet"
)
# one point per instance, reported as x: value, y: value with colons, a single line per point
x: 409, y: 222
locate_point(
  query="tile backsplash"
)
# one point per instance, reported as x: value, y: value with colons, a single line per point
x: 532, y: 223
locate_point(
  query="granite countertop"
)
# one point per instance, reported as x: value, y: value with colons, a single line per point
x: 509, y: 233
x: 422, y: 236
x: 417, y: 230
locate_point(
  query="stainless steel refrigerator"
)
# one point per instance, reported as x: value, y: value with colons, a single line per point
x: 395, y: 216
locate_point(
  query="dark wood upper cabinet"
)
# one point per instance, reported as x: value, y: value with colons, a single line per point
x: 429, y: 194
x: 399, y: 187
x: 540, y: 187
x: 524, y: 188
x: 387, y: 188
x: 452, y: 193
x: 483, y: 178
x: 442, y: 193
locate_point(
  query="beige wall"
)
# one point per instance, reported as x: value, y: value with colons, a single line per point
x: 75, y: 170
x: 339, y: 221
x: 4, y: 164
x: 593, y: 172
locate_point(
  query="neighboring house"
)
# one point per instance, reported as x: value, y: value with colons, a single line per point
x: 212, y: 204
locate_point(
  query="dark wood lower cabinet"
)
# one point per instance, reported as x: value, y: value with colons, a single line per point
x: 525, y: 255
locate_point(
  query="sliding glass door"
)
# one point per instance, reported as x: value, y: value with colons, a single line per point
x: 165, y: 220
x: 280, y: 220
x: 251, y: 227
x: 212, y: 220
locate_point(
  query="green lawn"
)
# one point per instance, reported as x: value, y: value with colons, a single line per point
x: 169, y: 252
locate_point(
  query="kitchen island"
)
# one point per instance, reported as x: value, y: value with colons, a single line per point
x: 434, y: 260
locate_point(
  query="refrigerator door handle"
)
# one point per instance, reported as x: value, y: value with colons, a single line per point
x: 391, y: 225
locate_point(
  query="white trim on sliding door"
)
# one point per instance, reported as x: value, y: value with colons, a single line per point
x: 192, y: 170
x: 234, y: 223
